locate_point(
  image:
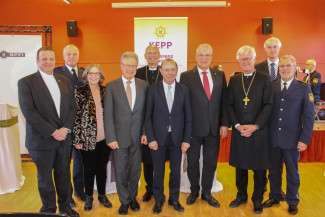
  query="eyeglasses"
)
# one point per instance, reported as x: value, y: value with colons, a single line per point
x: 204, y: 55
x: 130, y: 66
x: 93, y: 73
x: 286, y: 66
x: 246, y: 59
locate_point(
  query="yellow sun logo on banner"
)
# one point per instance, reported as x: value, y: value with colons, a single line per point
x: 160, y: 32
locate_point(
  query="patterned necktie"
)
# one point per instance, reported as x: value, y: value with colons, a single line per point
x: 169, y: 98
x: 74, y: 74
x: 129, y: 93
x: 272, y: 72
x: 206, y: 85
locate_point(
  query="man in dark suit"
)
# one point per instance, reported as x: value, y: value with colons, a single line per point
x: 168, y: 126
x: 48, y: 104
x: 124, y: 113
x: 249, y: 106
x: 151, y: 74
x: 291, y: 128
x: 313, y: 78
x: 74, y: 73
x: 270, y: 66
x: 209, y: 120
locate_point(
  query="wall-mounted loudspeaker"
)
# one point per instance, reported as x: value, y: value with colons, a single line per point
x: 72, y: 28
x: 267, y: 25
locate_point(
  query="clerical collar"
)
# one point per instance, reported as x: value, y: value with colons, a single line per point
x: 249, y: 75
x: 150, y: 69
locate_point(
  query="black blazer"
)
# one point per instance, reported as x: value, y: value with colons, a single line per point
x: 63, y: 70
x: 206, y: 115
x: 264, y: 67
x: 158, y: 117
x: 39, y: 110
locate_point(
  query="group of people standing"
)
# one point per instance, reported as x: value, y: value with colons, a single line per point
x: 146, y: 115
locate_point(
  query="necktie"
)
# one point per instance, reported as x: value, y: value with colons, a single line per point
x: 206, y: 85
x: 272, y: 72
x: 129, y: 93
x: 284, y: 88
x: 169, y: 103
x: 74, y: 74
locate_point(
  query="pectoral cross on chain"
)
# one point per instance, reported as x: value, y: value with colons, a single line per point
x: 246, y: 100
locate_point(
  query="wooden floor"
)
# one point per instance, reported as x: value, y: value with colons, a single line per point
x: 312, y: 195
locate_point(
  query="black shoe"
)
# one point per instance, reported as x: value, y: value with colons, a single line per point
x: 88, y: 203
x: 270, y: 202
x: 72, y: 203
x: 158, y: 207
x: 123, y: 210
x: 192, y: 198
x: 177, y: 206
x: 147, y: 196
x: 211, y: 200
x: 69, y: 212
x: 134, y: 205
x: 81, y: 196
x: 258, y: 208
x: 103, y: 199
x: 283, y: 196
x: 293, y: 210
x: 235, y: 203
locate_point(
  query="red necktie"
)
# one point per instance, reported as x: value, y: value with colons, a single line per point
x: 206, y: 85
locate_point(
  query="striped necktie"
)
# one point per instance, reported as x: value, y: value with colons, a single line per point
x: 129, y: 93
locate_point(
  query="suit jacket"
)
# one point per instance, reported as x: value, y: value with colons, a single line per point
x: 206, y: 115
x: 264, y: 67
x: 39, y: 110
x: 292, y: 119
x: 121, y: 123
x: 315, y: 82
x: 250, y: 152
x: 158, y: 117
x: 85, y: 128
x: 143, y: 74
x: 63, y: 70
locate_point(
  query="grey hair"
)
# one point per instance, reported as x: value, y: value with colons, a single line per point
x: 204, y: 46
x: 273, y: 39
x: 128, y: 55
x: 245, y: 50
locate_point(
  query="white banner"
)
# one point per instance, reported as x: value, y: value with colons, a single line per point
x: 169, y: 34
x: 17, y: 60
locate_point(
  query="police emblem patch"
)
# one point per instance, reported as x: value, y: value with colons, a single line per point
x: 315, y: 80
x: 311, y: 97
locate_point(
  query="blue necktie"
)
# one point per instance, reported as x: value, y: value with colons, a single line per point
x: 272, y: 72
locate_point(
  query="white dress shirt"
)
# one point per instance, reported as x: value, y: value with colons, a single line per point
x: 288, y: 84
x: 276, y: 66
x: 209, y: 78
x: 76, y: 69
x: 132, y: 85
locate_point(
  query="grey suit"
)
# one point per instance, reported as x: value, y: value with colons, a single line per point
x: 126, y: 127
x: 42, y: 120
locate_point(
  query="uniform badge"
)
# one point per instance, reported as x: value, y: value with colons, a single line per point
x: 315, y: 80
x: 311, y: 97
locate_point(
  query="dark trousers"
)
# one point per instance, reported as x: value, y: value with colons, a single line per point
x: 159, y: 158
x: 127, y: 168
x: 56, y: 162
x: 211, y: 146
x: 242, y: 182
x: 78, y: 172
x: 291, y: 158
x: 147, y: 167
x: 95, y: 164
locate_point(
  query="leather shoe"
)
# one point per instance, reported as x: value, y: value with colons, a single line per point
x: 283, y: 196
x: 103, y: 199
x: 235, y: 203
x: 134, y: 205
x: 147, y: 196
x: 81, y: 196
x: 211, y: 200
x: 72, y: 203
x: 192, y: 198
x: 270, y: 202
x: 123, y: 210
x: 158, y: 207
x: 177, y: 206
x: 88, y: 203
x: 258, y: 208
x: 69, y: 212
x: 293, y: 210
